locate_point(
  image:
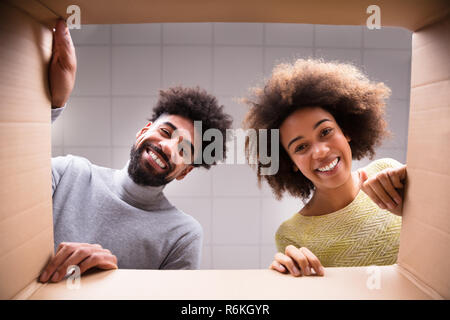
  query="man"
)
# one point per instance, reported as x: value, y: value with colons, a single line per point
x: 109, y: 218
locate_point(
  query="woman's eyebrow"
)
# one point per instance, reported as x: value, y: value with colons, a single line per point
x: 301, y: 137
x: 319, y: 122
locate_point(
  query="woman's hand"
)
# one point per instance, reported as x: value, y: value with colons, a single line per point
x: 298, y: 262
x: 385, y: 188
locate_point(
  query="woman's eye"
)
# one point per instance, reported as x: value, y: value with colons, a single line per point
x: 300, y: 148
x: 326, y: 131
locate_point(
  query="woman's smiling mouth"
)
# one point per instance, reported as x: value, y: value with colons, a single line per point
x: 329, y: 168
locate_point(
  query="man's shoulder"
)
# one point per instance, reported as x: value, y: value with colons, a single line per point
x: 74, y: 161
x: 188, y: 222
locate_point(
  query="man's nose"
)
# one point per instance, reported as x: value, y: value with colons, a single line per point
x: 170, y: 147
x: 320, y: 150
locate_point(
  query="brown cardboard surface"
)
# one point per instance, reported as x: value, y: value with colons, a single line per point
x: 25, y: 217
x: 425, y: 234
x: 338, y: 283
x: 26, y: 232
x: 410, y: 14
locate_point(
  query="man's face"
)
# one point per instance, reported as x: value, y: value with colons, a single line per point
x: 163, y: 151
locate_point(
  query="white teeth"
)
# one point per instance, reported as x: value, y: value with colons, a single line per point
x: 159, y: 162
x: 330, y: 166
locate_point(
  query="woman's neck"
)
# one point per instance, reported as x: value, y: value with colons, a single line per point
x: 326, y: 201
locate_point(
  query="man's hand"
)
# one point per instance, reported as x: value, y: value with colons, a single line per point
x: 63, y: 65
x: 385, y: 188
x: 298, y: 262
x: 84, y: 255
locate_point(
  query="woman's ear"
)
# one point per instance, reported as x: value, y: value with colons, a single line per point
x: 348, y: 138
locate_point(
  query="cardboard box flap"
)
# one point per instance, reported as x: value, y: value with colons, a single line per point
x: 339, y: 283
x: 410, y: 14
x: 25, y: 48
x: 425, y: 235
x: 26, y: 229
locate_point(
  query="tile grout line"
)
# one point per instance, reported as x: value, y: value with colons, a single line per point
x: 111, y: 152
x: 211, y: 179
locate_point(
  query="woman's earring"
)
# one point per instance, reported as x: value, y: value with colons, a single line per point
x: 295, y: 168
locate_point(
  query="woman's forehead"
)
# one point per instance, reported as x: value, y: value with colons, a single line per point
x: 305, y: 119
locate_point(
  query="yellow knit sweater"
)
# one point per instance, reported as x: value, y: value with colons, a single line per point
x: 359, y: 234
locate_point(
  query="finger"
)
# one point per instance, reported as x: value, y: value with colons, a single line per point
x: 278, y: 267
x: 57, y: 260
x: 395, y: 179
x: 377, y: 187
x: 372, y: 195
x: 299, y: 258
x: 74, y: 259
x: 287, y: 263
x: 389, y: 188
x: 313, y: 261
x: 62, y: 34
x: 63, y: 45
x: 362, y: 177
x: 100, y: 260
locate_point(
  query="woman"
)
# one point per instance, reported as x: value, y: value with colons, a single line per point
x: 328, y: 114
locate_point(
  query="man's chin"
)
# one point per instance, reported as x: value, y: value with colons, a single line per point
x: 142, y: 173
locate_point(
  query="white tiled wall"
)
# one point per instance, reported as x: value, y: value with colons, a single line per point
x: 122, y: 67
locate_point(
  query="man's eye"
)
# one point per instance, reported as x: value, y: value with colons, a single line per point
x: 166, y: 132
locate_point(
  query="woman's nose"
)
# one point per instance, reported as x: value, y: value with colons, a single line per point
x: 320, y: 150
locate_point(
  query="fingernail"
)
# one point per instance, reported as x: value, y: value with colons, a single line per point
x: 308, y: 271
x: 296, y: 271
x: 43, y: 277
x: 321, y: 271
x: 390, y: 206
x: 55, y: 277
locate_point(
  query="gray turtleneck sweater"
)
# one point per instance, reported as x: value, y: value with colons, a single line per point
x: 93, y: 204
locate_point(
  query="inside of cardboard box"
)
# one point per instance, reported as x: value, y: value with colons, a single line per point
x: 413, y: 282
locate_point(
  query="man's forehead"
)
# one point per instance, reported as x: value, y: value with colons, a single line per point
x: 178, y: 121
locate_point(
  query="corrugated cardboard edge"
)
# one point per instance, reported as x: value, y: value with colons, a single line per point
x: 418, y: 283
x: 36, y: 10
x: 29, y: 290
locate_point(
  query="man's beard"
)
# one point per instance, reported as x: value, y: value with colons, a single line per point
x: 146, y: 175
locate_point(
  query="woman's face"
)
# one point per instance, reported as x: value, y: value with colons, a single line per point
x: 317, y: 146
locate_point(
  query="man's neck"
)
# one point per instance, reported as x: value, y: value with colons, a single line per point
x: 143, y: 197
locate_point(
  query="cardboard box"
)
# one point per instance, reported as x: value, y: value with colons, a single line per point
x: 26, y: 239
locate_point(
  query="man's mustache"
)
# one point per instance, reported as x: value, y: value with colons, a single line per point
x: 158, y: 151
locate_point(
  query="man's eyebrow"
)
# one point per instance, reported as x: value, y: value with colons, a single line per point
x: 170, y: 124
x: 301, y: 137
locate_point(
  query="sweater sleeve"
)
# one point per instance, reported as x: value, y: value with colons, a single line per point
x: 186, y: 253
x: 56, y: 112
x: 379, y: 165
x: 281, y: 240
x: 59, y: 167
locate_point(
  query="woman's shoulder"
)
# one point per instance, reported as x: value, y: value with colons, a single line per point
x: 381, y: 164
x: 288, y: 226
